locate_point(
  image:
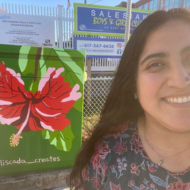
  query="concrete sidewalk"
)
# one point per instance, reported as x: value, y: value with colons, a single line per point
x: 62, y: 188
x: 55, y: 180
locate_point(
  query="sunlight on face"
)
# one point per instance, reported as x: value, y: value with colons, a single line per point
x: 163, y: 91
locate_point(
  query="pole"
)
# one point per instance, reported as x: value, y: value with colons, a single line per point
x: 89, y: 62
x: 84, y: 1
x: 128, y: 20
x: 60, y: 37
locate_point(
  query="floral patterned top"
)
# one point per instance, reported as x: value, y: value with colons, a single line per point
x: 121, y: 163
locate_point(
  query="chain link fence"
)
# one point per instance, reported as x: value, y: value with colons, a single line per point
x: 95, y: 93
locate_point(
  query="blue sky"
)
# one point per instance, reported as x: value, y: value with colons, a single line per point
x: 54, y: 3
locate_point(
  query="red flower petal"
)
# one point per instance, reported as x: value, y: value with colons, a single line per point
x: 151, y: 169
x: 114, y: 186
x: 96, y: 181
x: 54, y: 100
x: 12, y: 97
x: 101, y: 150
x: 85, y: 173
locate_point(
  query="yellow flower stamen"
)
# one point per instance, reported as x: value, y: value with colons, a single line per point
x: 14, y: 140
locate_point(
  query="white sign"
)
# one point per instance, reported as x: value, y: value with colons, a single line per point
x: 102, y: 48
x: 27, y: 30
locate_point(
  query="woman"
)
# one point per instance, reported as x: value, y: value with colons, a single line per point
x: 142, y: 140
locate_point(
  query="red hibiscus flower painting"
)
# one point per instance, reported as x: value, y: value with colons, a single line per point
x: 35, y: 111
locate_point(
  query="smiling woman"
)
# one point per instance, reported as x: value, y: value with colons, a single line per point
x: 142, y: 140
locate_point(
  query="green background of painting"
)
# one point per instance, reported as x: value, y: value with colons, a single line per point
x: 33, y: 145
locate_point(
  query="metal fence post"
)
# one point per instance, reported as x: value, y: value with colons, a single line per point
x: 88, y: 62
x: 181, y: 2
x: 60, y: 26
x: 159, y: 5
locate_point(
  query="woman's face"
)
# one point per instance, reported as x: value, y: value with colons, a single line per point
x: 162, y: 86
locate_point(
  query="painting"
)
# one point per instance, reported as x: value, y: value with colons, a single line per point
x: 41, y: 106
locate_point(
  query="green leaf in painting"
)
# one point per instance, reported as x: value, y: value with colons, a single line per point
x: 62, y: 140
x: 31, y: 64
x: 73, y: 74
x: 34, y: 86
x: 61, y: 58
x: 22, y: 62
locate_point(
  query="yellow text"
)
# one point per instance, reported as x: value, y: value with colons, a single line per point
x: 120, y: 22
x: 100, y: 21
x: 135, y: 23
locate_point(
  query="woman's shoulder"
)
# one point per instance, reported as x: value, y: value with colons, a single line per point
x: 112, y: 145
x: 117, y: 140
x: 123, y: 131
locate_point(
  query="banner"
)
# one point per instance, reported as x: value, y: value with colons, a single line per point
x: 27, y: 30
x: 105, y: 21
x: 100, y: 48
